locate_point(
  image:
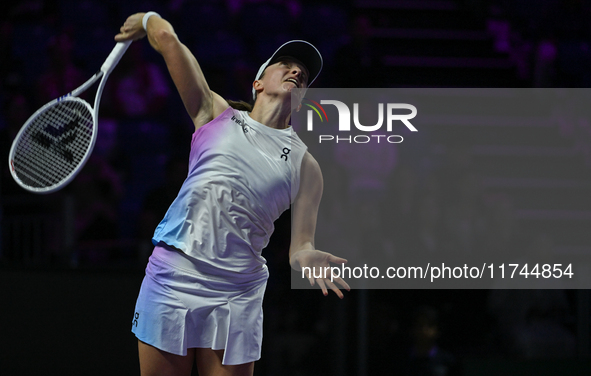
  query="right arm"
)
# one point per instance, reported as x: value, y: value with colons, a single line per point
x: 202, y: 104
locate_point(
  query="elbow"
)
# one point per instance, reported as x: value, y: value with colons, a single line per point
x: 163, y: 39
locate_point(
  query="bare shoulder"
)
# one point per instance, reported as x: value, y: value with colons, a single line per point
x: 310, y: 166
x: 311, y: 182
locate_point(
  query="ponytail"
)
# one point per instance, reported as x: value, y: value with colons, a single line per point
x: 240, y: 105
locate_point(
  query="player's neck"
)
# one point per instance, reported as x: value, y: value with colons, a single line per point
x: 272, y: 113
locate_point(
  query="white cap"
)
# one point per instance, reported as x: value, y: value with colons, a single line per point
x: 301, y: 50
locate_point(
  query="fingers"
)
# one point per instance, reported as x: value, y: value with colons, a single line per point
x: 123, y: 37
x: 131, y: 28
x: 310, y: 278
x: 314, y: 260
x: 337, y: 260
x: 342, y: 282
x: 335, y: 289
x: 323, y: 283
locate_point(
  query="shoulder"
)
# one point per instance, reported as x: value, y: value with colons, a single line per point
x: 310, y: 186
x: 310, y: 174
x: 310, y: 164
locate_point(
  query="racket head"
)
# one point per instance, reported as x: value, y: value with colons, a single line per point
x: 53, y: 145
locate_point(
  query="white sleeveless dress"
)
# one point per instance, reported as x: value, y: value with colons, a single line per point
x: 206, y: 278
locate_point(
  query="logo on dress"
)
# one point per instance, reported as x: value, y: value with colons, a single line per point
x: 242, y: 123
x: 285, y: 153
x: 135, y: 318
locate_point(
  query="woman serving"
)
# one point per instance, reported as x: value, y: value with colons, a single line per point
x: 201, y: 299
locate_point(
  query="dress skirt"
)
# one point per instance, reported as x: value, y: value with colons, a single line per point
x: 180, y: 307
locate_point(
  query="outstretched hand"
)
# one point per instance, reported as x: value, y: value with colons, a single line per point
x: 132, y: 29
x: 319, y: 262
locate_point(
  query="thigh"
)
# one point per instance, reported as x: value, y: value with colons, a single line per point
x: 155, y: 362
x: 209, y: 363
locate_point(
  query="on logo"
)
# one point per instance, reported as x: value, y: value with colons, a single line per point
x: 285, y: 153
x: 136, y: 317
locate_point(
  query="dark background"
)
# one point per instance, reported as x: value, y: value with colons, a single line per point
x: 72, y: 262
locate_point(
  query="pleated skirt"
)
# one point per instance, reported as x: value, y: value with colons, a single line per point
x: 180, y: 307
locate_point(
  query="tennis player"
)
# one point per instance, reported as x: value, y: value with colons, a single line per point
x: 201, y: 299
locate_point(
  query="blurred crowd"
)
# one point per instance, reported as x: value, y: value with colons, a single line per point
x: 547, y: 39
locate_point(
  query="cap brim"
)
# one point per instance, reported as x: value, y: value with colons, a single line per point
x: 304, y: 52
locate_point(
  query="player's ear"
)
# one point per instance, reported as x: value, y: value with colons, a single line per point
x: 258, y: 85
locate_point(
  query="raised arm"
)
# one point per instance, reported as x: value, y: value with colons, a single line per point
x: 201, y: 103
x: 302, y: 252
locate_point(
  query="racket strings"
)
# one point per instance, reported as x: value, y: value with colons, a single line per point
x: 54, y: 144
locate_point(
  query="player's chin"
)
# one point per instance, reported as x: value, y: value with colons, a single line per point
x: 288, y: 86
x: 289, y: 89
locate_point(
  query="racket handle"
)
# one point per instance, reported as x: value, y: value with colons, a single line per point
x: 115, y: 56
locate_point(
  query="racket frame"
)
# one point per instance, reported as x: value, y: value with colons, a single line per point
x: 102, y: 74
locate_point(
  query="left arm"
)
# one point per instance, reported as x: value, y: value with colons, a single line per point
x: 302, y: 252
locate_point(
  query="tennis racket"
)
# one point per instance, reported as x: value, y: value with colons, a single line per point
x: 56, y: 141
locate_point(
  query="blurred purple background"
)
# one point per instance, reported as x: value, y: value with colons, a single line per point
x: 71, y: 262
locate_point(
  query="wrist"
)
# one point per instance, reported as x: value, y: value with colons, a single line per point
x: 295, y: 258
x: 294, y: 261
x: 145, y: 19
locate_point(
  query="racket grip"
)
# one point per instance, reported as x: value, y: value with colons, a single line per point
x: 115, y: 56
